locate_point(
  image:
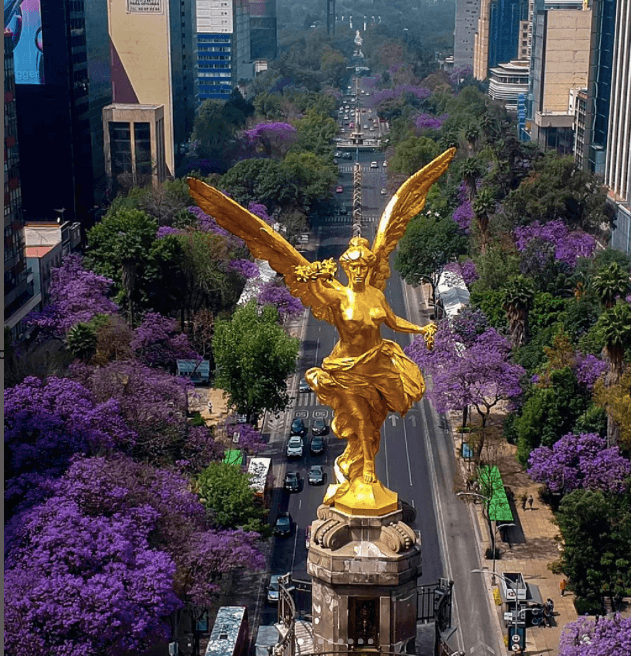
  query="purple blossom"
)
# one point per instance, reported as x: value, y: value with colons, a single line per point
x: 158, y: 342
x: 76, y: 296
x: 48, y: 422
x: 205, y: 222
x: 589, y: 369
x: 568, y: 246
x: 469, y: 324
x: 460, y: 73
x: 463, y: 215
x: 165, y: 231
x: 261, y: 211
x: 246, y: 268
x: 580, y: 461
x: 270, y: 139
x: 466, y: 270
x: 391, y: 94
x: 430, y: 122
x: 602, y: 636
x: 479, y: 374
x: 250, y: 439
x: 273, y: 293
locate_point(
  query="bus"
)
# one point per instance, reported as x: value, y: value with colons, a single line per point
x: 230, y: 632
x: 262, y: 479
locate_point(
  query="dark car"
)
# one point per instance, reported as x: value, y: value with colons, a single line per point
x: 317, y: 445
x: 303, y: 386
x: 282, y: 527
x: 292, y: 481
x: 319, y: 427
x: 316, y: 475
x: 298, y: 427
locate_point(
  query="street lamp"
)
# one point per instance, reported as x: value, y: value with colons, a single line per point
x: 517, y: 608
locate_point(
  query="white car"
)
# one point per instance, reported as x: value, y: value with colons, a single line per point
x: 374, y: 165
x: 383, y: 192
x: 295, y: 447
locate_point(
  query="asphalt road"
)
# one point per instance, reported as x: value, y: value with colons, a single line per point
x: 416, y: 457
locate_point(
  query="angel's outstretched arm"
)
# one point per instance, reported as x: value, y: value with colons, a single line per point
x: 403, y: 326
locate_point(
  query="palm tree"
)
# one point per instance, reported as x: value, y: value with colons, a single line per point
x: 610, y: 283
x: 472, y: 135
x: 615, y: 329
x: 471, y: 174
x: 517, y: 298
x: 81, y: 341
x: 483, y: 206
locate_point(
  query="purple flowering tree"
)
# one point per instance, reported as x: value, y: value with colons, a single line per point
x: 167, y: 231
x: 84, y: 583
x: 466, y: 270
x: 248, y: 438
x: 469, y: 324
x: 480, y: 375
x: 261, y: 211
x: 588, y: 369
x: 76, y: 296
x: 47, y: 422
x: 245, y: 268
x: 602, y: 636
x: 568, y: 245
x: 429, y: 122
x: 580, y: 462
x: 276, y: 293
x: 271, y: 139
x: 158, y: 343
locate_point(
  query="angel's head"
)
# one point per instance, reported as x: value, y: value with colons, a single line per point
x: 357, y: 261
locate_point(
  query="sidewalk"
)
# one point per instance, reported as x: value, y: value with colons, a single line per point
x: 531, y: 546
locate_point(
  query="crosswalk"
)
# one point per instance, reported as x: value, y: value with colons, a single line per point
x: 348, y: 219
x: 348, y: 168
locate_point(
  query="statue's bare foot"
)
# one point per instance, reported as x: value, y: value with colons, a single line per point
x: 369, y: 473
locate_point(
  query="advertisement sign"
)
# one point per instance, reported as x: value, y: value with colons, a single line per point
x: 145, y: 7
x: 24, y: 19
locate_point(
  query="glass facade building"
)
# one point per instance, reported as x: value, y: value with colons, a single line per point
x: 214, y: 64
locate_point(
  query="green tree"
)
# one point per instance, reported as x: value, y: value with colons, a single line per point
x: 213, y: 131
x: 254, y: 357
x: 596, y: 529
x: 314, y: 178
x: 484, y: 206
x: 616, y: 400
x: 226, y: 493
x: 549, y: 412
x: 315, y: 133
x: 119, y: 247
x: 81, y: 340
x: 413, y: 154
x: 428, y: 243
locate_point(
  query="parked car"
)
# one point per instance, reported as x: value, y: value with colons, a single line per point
x: 298, y: 427
x: 282, y: 527
x: 295, y: 447
x: 338, y: 154
x: 319, y: 427
x: 292, y: 481
x: 273, y: 589
x: 303, y: 386
x: 374, y: 165
x: 316, y: 475
x: 347, y: 156
x: 383, y: 192
x: 339, y: 189
x: 317, y: 445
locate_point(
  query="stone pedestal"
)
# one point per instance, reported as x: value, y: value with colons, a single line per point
x: 364, y: 571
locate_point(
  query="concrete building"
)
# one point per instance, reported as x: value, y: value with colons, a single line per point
x: 62, y: 83
x: 467, y: 15
x: 223, y: 47
x: 508, y: 81
x: 18, y: 294
x: 135, y: 150
x: 154, y: 63
x: 618, y: 158
x: 498, y: 34
x: 559, y: 63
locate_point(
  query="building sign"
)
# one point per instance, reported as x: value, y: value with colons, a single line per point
x: 23, y: 18
x: 145, y: 7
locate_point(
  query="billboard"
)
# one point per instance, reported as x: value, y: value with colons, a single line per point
x: 24, y: 19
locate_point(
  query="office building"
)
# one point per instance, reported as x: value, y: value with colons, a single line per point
x: 154, y: 63
x: 498, y: 34
x: 467, y: 15
x: 134, y: 146
x: 62, y: 69
x: 18, y: 294
x: 508, y: 81
x: 559, y: 63
x: 223, y: 47
x: 263, y: 30
x: 618, y: 157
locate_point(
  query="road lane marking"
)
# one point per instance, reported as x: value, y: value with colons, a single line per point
x: 407, y: 452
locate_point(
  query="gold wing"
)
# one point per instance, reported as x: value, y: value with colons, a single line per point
x: 403, y: 206
x: 262, y: 240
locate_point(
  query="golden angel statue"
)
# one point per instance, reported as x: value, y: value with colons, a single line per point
x: 365, y: 376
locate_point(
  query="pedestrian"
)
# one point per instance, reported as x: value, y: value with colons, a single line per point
x: 210, y: 407
x: 551, y: 606
x: 468, y: 484
x: 530, y: 501
x: 562, y: 586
